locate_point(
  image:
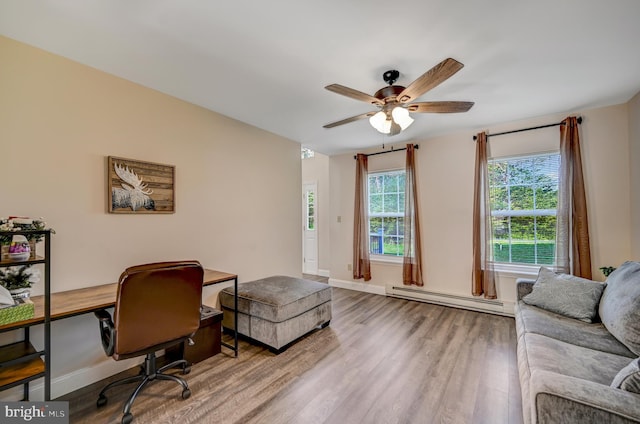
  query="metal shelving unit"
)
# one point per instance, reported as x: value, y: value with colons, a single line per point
x: 20, y: 362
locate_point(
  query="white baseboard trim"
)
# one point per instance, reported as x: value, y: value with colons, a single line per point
x: 323, y: 272
x: 492, y: 306
x: 354, y: 285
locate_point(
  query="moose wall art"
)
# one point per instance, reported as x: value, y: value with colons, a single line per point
x: 135, y: 186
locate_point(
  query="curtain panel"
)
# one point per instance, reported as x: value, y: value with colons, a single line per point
x: 361, y: 261
x: 412, y: 261
x: 483, y: 275
x: 573, y: 251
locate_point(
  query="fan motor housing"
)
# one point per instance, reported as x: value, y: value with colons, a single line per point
x: 389, y: 91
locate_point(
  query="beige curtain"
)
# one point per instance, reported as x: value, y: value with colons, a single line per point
x: 412, y: 263
x: 483, y: 276
x: 573, y: 253
x: 361, y: 262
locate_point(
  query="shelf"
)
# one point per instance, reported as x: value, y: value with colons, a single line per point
x: 9, y: 262
x: 21, y: 363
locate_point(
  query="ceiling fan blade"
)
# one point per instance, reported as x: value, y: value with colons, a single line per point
x: 439, y: 107
x: 430, y: 79
x: 348, y: 120
x: 354, y: 94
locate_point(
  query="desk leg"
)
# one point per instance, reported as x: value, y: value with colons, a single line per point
x: 235, y: 319
x: 235, y: 307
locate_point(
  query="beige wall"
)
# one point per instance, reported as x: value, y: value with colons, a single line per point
x: 445, y: 178
x: 316, y: 170
x: 634, y: 161
x: 237, y: 187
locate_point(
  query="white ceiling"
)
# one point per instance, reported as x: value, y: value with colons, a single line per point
x: 266, y: 62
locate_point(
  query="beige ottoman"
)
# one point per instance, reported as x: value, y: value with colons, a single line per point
x: 277, y: 310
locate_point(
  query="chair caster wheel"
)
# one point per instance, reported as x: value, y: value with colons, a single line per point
x: 186, y: 393
x: 102, y: 401
x: 127, y: 418
x: 186, y: 369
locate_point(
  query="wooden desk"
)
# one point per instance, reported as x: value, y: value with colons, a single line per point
x: 90, y: 299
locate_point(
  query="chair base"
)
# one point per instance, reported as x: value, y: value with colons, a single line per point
x: 147, y: 374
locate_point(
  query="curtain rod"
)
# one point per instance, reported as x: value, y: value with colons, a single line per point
x: 475, y: 137
x: 388, y: 151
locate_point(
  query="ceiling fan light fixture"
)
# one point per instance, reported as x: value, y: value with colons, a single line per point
x: 401, y: 117
x: 380, y: 122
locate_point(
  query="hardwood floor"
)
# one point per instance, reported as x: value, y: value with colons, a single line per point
x: 382, y: 360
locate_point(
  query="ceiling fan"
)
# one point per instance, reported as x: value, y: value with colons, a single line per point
x: 393, y: 101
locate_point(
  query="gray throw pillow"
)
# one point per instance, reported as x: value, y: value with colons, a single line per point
x: 629, y: 377
x: 566, y: 295
x: 620, y: 305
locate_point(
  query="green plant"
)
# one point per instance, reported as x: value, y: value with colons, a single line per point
x: 14, y: 223
x: 606, y: 270
x: 14, y: 278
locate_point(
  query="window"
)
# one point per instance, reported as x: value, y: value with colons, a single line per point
x: 310, y: 210
x: 306, y: 153
x: 523, y: 194
x: 386, y: 213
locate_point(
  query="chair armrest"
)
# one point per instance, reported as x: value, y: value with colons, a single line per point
x: 107, y: 331
x: 524, y: 286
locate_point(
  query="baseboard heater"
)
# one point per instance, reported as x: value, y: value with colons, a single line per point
x: 464, y: 302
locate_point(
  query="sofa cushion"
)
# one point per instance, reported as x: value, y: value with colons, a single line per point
x: 565, y: 294
x: 531, y: 319
x: 620, y: 305
x: 628, y: 378
x: 545, y: 353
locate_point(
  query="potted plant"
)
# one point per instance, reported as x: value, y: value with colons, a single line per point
x: 19, y: 279
x: 606, y: 270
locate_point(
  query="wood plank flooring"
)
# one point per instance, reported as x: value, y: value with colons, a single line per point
x: 382, y: 360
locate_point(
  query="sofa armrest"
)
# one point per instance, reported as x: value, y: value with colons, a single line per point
x: 524, y: 287
x: 563, y: 399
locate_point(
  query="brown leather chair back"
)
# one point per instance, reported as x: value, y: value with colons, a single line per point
x: 157, y: 306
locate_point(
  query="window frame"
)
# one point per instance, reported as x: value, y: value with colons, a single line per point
x: 385, y: 258
x: 518, y: 268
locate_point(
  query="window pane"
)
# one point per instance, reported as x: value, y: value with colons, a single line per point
x: 375, y: 203
x: 521, y: 171
x: 523, y: 194
x: 386, y: 197
x: 498, y: 174
x: 521, y: 198
x: 522, y: 228
x: 375, y: 184
x: 546, y: 228
x: 390, y: 226
x: 500, y: 228
x: 393, y: 246
x: 499, y: 198
x: 391, y: 184
x: 547, y: 196
x: 391, y: 203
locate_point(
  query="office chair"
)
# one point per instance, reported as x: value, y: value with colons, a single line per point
x: 157, y: 306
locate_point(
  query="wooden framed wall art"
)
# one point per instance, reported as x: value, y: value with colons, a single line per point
x: 135, y: 186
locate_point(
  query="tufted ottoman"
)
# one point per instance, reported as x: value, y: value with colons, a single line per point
x: 277, y: 310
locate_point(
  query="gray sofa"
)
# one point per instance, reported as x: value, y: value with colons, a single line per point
x: 579, y: 364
